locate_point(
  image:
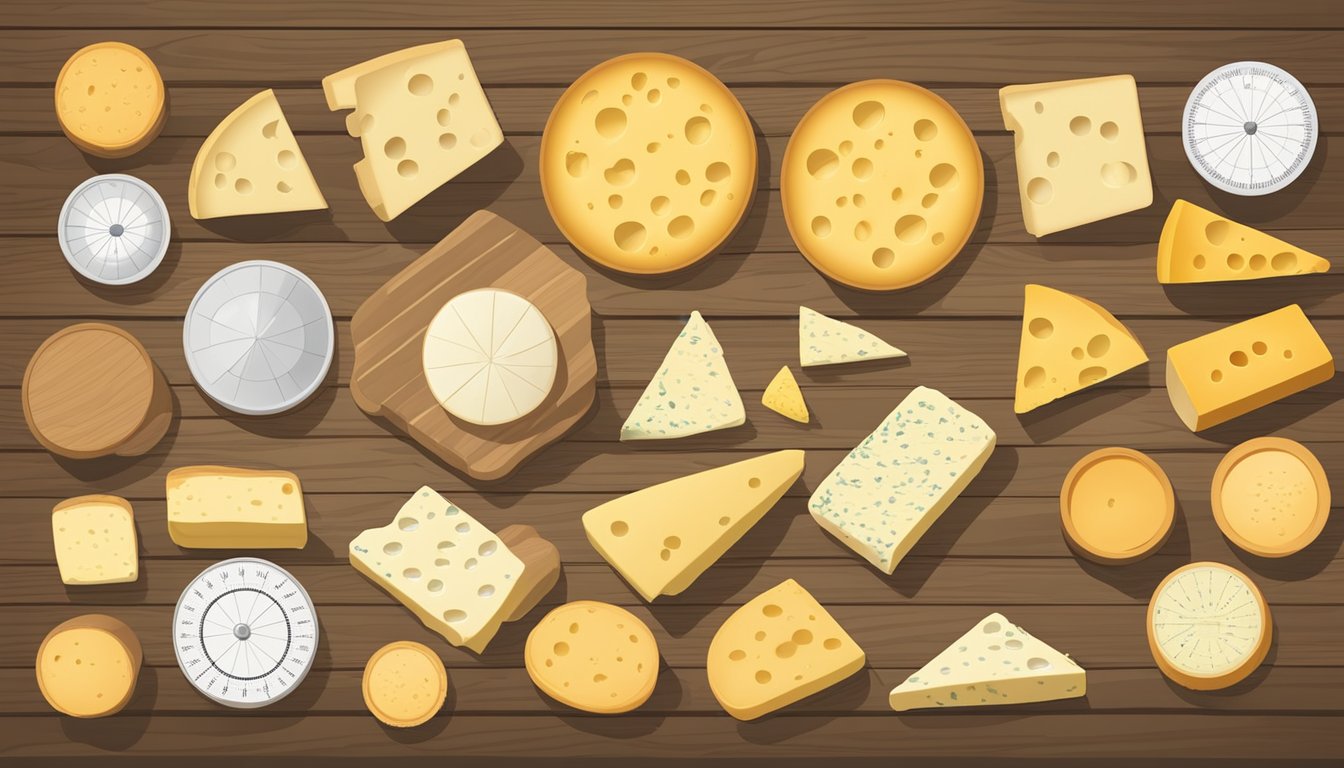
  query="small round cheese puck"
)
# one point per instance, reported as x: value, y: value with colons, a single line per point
x: 1208, y: 626
x: 1117, y: 506
x: 1270, y: 496
x: 405, y: 684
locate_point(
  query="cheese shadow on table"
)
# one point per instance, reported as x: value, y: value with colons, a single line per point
x: 112, y: 471
x: 1278, y: 415
x: 1242, y: 300
x: 442, y: 210
x: 845, y: 696
x: 1139, y: 580
x: 142, y: 291
x: 667, y: 693
x: 1309, y: 562
x: 117, y: 733
x: 1054, y: 419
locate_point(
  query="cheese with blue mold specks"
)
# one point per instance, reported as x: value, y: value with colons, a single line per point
x: 824, y: 340
x: 691, y: 393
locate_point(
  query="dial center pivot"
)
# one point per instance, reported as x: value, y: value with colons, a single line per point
x: 242, y: 631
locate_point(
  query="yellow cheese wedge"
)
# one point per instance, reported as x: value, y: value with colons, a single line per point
x: 1068, y: 344
x: 88, y: 666
x: 228, y: 508
x: 110, y: 99
x: 1233, y: 371
x: 662, y: 538
x: 250, y: 164
x: 784, y: 397
x: 594, y: 657
x: 404, y: 684
x: 778, y: 649
x: 95, y: 540
x: 1199, y: 246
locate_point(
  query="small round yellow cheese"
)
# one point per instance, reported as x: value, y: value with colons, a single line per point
x: 405, y: 684
x: 593, y: 656
x: 87, y: 666
x: 110, y: 99
x: 1271, y: 496
x: 1117, y: 506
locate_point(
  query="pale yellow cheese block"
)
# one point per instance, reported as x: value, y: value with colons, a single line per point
x: 1234, y: 370
x: 95, y: 540
x: 783, y: 396
x: 88, y: 666
x: 779, y: 648
x: 1199, y: 246
x: 593, y: 656
x: 881, y: 184
x: 404, y: 684
x: 1068, y: 344
x: 1080, y: 151
x: 213, y: 507
x: 648, y: 163
x: 110, y: 99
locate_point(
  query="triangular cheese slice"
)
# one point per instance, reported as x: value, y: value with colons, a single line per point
x: 250, y: 164
x: 785, y: 398
x: 1199, y: 246
x: 824, y: 340
x: 996, y: 662
x: 662, y: 538
x: 779, y: 648
x: 691, y: 393
x: 1068, y: 344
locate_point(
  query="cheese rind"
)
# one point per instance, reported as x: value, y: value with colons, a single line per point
x: 779, y: 648
x: 691, y: 393
x: 110, y: 99
x: 404, y: 684
x: 889, y: 490
x: 593, y: 656
x: 421, y: 117
x: 660, y: 539
x: 1237, y: 369
x: 213, y: 507
x: 783, y: 396
x: 824, y: 340
x: 88, y: 666
x: 1208, y: 626
x: 1068, y: 344
x: 1080, y: 151
x: 996, y: 662
x: 95, y: 540
x: 250, y: 164
x: 1199, y: 246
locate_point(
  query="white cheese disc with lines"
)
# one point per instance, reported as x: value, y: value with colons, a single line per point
x: 1208, y: 625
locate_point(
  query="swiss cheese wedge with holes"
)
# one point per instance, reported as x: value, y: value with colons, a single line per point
x: 593, y: 656
x: 1068, y: 344
x: 881, y: 184
x: 1199, y: 246
x: 251, y: 163
x: 110, y: 99
x: 648, y: 163
x: 779, y: 648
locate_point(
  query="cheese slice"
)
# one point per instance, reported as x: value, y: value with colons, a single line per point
x: 1080, y: 151
x: 996, y: 662
x: 779, y: 648
x: 784, y: 397
x: 1068, y: 344
x: 405, y: 684
x: 110, y: 99
x: 227, y: 508
x: 88, y: 666
x: 1199, y: 246
x: 662, y: 538
x: 890, y: 489
x: 1234, y: 370
x: 1208, y: 626
x: 691, y: 393
x: 251, y: 163
x: 422, y: 118
x: 593, y: 656
x: 824, y: 340
x: 95, y: 540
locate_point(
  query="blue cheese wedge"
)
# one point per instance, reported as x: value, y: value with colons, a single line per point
x: 886, y: 493
x: 996, y: 662
x: 824, y: 340
x: 691, y: 393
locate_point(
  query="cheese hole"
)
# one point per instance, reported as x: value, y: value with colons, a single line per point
x: 717, y: 172
x: 1036, y: 663
x: 1014, y: 644
x: 910, y: 228
x: 589, y: 96
x: 1259, y: 348
x: 683, y: 178
x: 243, y: 186
x: 407, y: 168
x: 1216, y: 231
x: 283, y: 188
x: 754, y: 482
x: 681, y: 227
x: 443, y: 116
x: 620, y: 528
x: 1034, y: 377
x: 698, y: 130
x: 1052, y: 159
x: 487, y: 548
x: 942, y: 174
x: 725, y: 520
x: 771, y: 610
x: 1040, y: 327
x: 454, y: 615
x: 786, y: 649
x: 1109, y: 131
x: 629, y: 235
x: 470, y: 565
x: 1200, y: 261
x: 659, y: 205
x: 846, y: 146
x: 1099, y: 345
x: 225, y: 161
x: 621, y: 173
x: 760, y: 636
x: 599, y: 678
x: 1117, y: 174
x: 1258, y: 261
x: 268, y: 130
x: 1091, y: 375
x: 737, y: 655
x: 823, y: 163
x: 762, y: 676
x: 1284, y: 262
x: 869, y: 114
x: 574, y: 628
x: 576, y: 163
x: 1216, y: 375
x: 610, y: 123
x: 938, y: 238
x: 883, y: 258
x: 420, y: 85
x: 221, y: 181
x: 858, y: 201
x: 395, y: 147
x: 434, y: 585
x: 654, y: 95
x: 486, y: 590
x: 831, y: 643
x: 1080, y: 125
x: 444, y: 546
x: 638, y: 81
x: 1040, y: 190
x: 862, y: 168
x: 634, y: 638
x: 1288, y: 354
x: 561, y: 649
x: 1238, y: 359
x: 991, y: 627
x: 879, y: 144
x: 447, y: 140
x: 411, y: 573
x: 652, y: 147
x: 408, y: 523
x: 665, y: 555
x: 462, y: 527
x: 615, y: 201
x: 929, y: 200
x: 627, y: 99
x: 442, y: 562
x: 1039, y: 107
x: 926, y: 130
x: 862, y: 230
x: 802, y: 637
x: 1235, y: 261
x: 672, y: 542
x: 392, y: 548
x: 673, y: 82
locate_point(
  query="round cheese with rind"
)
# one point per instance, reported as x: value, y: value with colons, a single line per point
x: 404, y: 684
x: 110, y: 99
x: 593, y: 656
x: 1208, y: 626
x: 88, y: 666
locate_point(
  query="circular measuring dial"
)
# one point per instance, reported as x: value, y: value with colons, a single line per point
x: 114, y: 229
x: 245, y: 632
x: 1249, y: 128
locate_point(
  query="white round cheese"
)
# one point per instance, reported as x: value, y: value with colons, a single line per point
x: 1208, y: 626
x: 489, y: 356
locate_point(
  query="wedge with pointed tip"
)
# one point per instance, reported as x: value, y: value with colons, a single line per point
x: 824, y: 340
x: 691, y: 393
x: 1199, y: 246
x: 784, y: 397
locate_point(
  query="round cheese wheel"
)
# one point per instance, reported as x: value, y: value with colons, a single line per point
x: 1117, y: 506
x: 490, y: 357
x: 1271, y: 496
x: 1208, y: 626
x: 405, y: 684
x: 110, y: 99
x: 593, y: 656
x: 88, y: 666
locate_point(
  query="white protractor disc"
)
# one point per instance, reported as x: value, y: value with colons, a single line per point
x: 113, y: 229
x: 245, y: 632
x: 1250, y: 128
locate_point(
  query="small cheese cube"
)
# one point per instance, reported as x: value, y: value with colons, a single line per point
x: 95, y: 540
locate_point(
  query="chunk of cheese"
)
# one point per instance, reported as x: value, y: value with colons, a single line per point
x: 662, y: 538
x: 691, y: 393
x: 451, y: 571
x: 996, y: 662
x: 779, y: 648
x: 227, y: 508
x: 824, y: 340
x: 422, y: 118
x: 1068, y: 344
x: 404, y: 684
x: 110, y: 99
x: 1080, y: 151
x: 1208, y: 626
x: 251, y: 163
x: 95, y: 540
x: 88, y: 666
x: 890, y: 489
x: 593, y: 656
x: 1199, y: 246
x: 1233, y: 371
x: 783, y: 396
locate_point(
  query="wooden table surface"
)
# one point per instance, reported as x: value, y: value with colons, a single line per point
x: 998, y: 548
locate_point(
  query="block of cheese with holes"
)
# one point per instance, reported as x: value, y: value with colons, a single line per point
x: 421, y: 117
x: 1199, y: 246
x: 779, y: 648
x: 95, y: 540
x: 452, y: 572
x: 1080, y: 151
x: 1068, y: 344
x: 228, y: 508
x: 692, y: 391
x: 251, y: 163
x: 1233, y: 371
x: 662, y: 538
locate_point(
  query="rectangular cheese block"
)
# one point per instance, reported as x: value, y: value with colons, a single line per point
x: 95, y: 540
x: 228, y: 508
x: 1232, y: 371
x: 1080, y: 151
x: 889, y: 490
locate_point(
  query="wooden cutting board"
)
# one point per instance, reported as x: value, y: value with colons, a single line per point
x: 486, y: 251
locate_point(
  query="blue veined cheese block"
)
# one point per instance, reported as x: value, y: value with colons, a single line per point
x: 691, y: 393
